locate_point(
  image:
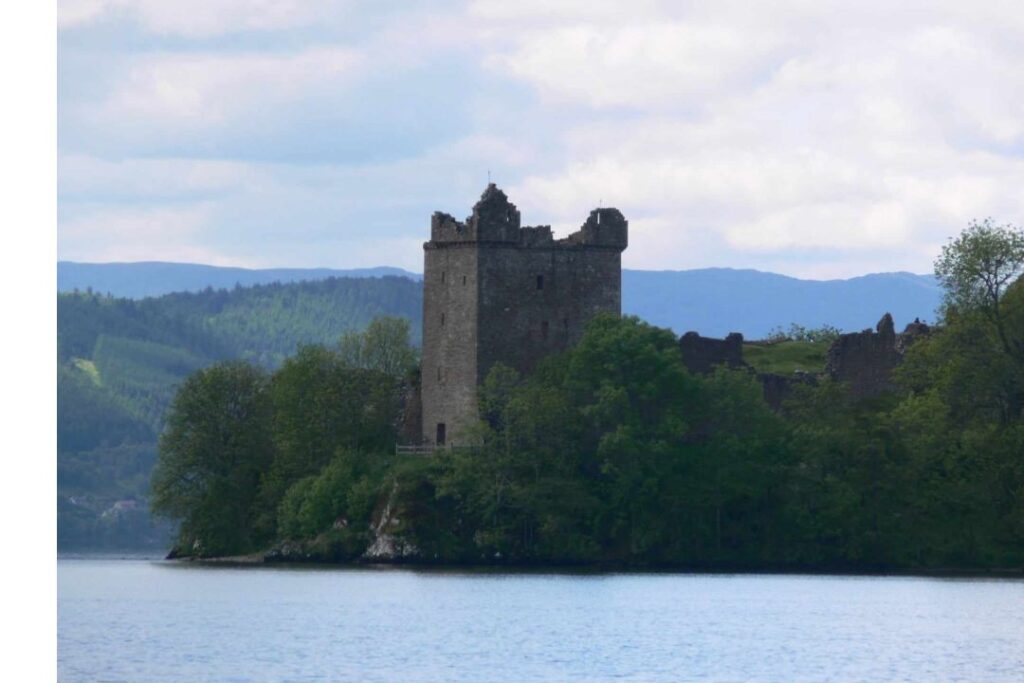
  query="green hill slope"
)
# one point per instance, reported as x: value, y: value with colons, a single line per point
x: 120, y: 363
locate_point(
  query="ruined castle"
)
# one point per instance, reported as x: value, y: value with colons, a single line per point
x: 496, y: 291
x: 864, y: 362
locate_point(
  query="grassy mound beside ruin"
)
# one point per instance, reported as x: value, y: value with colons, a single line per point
x: 786, y: 357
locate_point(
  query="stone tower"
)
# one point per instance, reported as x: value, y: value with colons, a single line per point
x: 495, y: 291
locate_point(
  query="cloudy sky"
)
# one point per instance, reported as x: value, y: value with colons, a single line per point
x: 809, y: 138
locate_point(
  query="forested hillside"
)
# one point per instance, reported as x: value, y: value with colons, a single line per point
x: 156, y: 278
x: 712, y: 301
x: 121, y: 361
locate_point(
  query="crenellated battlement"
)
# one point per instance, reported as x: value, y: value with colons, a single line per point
x: 497, y: 220
x: 445, y: 228
x: 605, y: 227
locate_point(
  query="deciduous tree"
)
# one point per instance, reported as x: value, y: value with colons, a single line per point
x: 216, y: 446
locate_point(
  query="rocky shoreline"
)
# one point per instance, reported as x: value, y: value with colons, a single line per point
x: 396, y: 553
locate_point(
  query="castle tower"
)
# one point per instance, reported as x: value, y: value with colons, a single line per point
x: 494, y: 291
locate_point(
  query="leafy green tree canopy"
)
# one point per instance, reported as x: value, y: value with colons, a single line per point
x: 320, y: 405
x: 216, y: 445
x: 824, y: 334
x: 977, y: 267
x: 383, y: 346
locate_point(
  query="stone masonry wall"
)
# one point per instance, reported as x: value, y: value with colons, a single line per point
x: 702, y: 354
x: 450, y: 329
x: 865, y: 360
x: 495, y: 291
x: 537, y: 301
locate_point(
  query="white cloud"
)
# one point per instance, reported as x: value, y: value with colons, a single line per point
x: 83, y: 177
x: 205, y: 90
x: 72, y: 13
x: 842, y: 134
x: 268, y: 214
x: 837, y: 224
x: 199, y: 18
x: 812, y: 138
x: 544, y: 12
x: 638, y: 65
x: 129, y: 224
x: 159, y: 233
x: 743, y: 205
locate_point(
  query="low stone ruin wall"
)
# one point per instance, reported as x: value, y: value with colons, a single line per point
x: 864, y: 361
x: 702, y: 354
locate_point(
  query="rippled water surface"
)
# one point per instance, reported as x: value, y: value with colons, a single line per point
x: 138, y: 620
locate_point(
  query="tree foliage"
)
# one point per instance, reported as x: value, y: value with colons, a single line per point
x: 248, y: 457
x: 975, y: 270
x: 341, y: 496
x: 215, y: 448
x: 384, y: 346
x: 799, y: 333
x: 322, y: 405
x: 612, y: 452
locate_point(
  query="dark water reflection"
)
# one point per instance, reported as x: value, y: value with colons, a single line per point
x: 139, y: 620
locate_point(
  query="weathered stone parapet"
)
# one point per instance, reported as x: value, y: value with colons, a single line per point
x: 496, y: 220
x: 911, y: 333
x: 866, y: 360
x: 702, y: 354
x: 536, y: 236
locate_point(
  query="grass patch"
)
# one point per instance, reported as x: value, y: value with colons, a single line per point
x: 785, y: 358
x: 143, y: 376
x: 89, y: 368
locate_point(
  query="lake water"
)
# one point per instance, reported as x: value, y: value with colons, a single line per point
x: 138, y: 620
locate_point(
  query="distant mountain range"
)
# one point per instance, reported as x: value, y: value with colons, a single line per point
x: 716, y: 301
x: 712, y: 301
x: 155, y: 278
